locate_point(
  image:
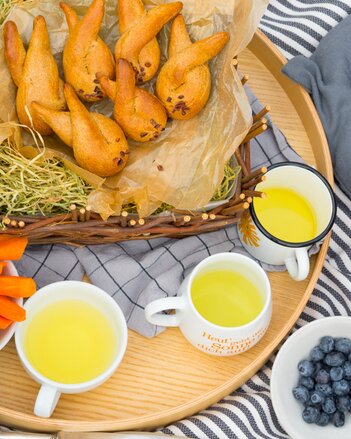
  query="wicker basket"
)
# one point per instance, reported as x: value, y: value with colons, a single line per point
x: 82, y: 226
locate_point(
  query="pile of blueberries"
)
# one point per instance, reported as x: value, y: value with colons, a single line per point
x: 324, y: 385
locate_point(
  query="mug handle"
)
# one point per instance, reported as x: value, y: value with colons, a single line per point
x: 46, y: 402
x: 299, y: 265
x: 153, y: 309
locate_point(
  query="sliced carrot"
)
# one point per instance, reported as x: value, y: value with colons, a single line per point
x: 5, y: 323
x: 10, y: 310
x: 17, y: 286
x: 12, y: 248
x: 3, y: 264
x: 4, y: 237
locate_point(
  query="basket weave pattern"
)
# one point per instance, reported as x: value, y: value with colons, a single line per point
x: 83, y: 227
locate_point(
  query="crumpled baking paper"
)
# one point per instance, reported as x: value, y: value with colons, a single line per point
x: 193, y: 153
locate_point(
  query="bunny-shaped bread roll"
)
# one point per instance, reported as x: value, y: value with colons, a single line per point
x: 140, y: 114
x: 131, y: 45
x: 129, y: 13
x: 98, y: 143
x: 85, y: 53
x: 34, y: 72
x: 184, y: 82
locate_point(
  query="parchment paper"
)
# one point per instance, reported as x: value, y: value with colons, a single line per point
x: 192, y: 154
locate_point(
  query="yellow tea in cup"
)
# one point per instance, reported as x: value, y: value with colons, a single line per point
x: 70, y: 341
x: 226, y: 298
x: 286, y: 215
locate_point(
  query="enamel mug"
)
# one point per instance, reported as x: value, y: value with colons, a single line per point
x: 50, y: 391
x: 204, y: 335
x: 265, y: 247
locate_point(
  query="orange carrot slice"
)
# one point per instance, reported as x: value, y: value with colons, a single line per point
x: 4, y: 323
x: 10, y: 310
x: 12, y: 248
x: 16, y: 286
x: 3, y: 264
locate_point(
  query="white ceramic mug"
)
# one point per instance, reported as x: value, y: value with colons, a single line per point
x: 204, y: 335
x: 265, y: 247
x: 50, y: 391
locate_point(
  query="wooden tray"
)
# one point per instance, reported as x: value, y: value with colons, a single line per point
x: 165, y: 379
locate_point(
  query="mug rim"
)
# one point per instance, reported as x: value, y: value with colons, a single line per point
x: 310, y: 242
x: 247, y: 259
x: 63, y: 387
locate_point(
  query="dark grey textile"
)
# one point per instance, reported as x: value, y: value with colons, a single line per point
x: 326, y: 75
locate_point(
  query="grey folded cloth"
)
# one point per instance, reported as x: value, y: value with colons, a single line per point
x: 326, y: 75
x: 137, y: 272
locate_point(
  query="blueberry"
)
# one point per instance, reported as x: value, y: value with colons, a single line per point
x: 317, y: 397
x: 341, y: 388
x: 334, y: 359
x: 301, y: 393
x: 323, y: 419
x: 349, y: 357
x: 347, y: 370
x: 339, y: 419
x: 318, y: 366
x: 327, y: 344
x: 322, y: 377
x: 316, y: 354
x: 336, y: 373
x: 309, y: 403
x: 329, y: 405
x: 306, y: 368
x: 343, y: 345
x: 343, y: 403
x: 307, y: 382
x: 310, y: 414
x: 325, y: 389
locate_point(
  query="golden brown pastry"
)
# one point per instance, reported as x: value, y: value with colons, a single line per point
x: 34, y: 72
x: 131, y: 45
x: 140, y: 114
x: 98, y: 143
x: 184, y: 82
x: 85, y: 53
x: 129, y: 13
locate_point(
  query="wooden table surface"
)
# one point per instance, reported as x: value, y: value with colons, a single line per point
x: 164, y: 379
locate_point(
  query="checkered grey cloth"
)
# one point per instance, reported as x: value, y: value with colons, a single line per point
x: 137, y: 272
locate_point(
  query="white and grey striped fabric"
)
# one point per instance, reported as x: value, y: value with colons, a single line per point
x: 296, y: 27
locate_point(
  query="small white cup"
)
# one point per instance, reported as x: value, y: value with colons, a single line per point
x: 204, y: 335
x: 50, y: 391
x: 265, y: 247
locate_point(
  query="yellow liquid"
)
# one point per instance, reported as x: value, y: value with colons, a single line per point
x: 226, y: 298
x: 286, y: 215
x: 70, y: 342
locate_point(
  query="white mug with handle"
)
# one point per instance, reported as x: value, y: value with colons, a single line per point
x: 50, y: 391
x: 265, y: 247
x: 207, y: 336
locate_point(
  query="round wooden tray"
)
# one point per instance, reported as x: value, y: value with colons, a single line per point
x: 165, y: 379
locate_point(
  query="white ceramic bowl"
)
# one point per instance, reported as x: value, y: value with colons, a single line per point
x: 285, y: 377
x: 6, y: 334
